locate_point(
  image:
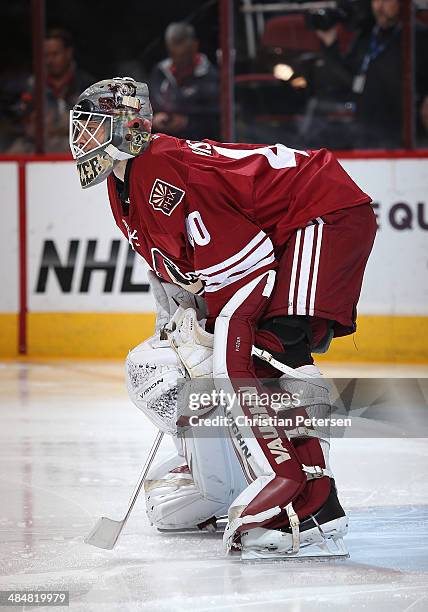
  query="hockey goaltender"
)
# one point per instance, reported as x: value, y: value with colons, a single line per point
x: 257, y: 254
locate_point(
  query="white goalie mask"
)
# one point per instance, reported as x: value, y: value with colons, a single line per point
x: 111, y: 122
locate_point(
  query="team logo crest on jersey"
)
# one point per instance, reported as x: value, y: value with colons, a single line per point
x: 165, y: 197
x: 169, y: 271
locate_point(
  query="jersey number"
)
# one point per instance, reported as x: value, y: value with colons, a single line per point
x: 197, y: 230
x: 283, y: 158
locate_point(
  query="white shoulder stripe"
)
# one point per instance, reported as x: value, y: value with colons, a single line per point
x: 228, y: 262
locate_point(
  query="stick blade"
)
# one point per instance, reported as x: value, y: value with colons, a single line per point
x: 105, y: 533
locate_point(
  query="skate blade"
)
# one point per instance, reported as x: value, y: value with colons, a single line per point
x: 105, y: 533
x: 221, y: 526
x: 194, y: 530
x: 329, y: 549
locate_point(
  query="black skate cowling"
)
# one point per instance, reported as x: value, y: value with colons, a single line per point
x: 329, y: 511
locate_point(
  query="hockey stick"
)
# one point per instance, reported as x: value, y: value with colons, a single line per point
x: 107, y: 531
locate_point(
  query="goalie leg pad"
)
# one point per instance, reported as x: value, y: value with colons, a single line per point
x: 319, y: 520
x: 311, y: 444
x: 272, y: 462
x: 267, y: 454
x: 179, y: 497
x: 173, y: 501
x: 311, y: 447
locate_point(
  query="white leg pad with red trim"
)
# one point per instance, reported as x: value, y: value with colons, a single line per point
x: 269, y: 460
x: 182, y: 497
x: 235, y: 518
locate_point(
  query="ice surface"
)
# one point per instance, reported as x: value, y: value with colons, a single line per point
x: 71, y: 449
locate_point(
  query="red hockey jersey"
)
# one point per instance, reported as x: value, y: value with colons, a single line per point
x: 211, y: 216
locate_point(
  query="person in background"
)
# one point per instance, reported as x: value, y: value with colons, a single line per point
x: 184, y: 88
x: 372, y: 73
x: 64, y: 82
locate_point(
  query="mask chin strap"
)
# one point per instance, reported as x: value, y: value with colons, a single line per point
x: 116, y: 154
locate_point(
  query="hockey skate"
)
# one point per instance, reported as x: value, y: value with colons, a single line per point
x: 319, y: 536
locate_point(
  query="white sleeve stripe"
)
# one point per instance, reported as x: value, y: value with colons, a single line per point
x: 229, y: 281
x: 262, y: 251
x: 237, y: 271
x: 241, y: 262
x: 269, y: 254
x: 235, y: 258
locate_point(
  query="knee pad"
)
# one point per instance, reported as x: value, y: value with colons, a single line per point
x: 294, y: 333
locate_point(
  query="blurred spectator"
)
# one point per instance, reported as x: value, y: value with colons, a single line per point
x: 184, y: 88
x: 372, y: 74
x: 14, y: 78
x: 64, y: 83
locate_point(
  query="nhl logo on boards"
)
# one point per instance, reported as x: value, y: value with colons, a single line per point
x: 165, y: 197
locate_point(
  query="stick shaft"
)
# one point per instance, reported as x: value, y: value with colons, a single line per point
x: 107, y: 531
x: 143, y: 475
